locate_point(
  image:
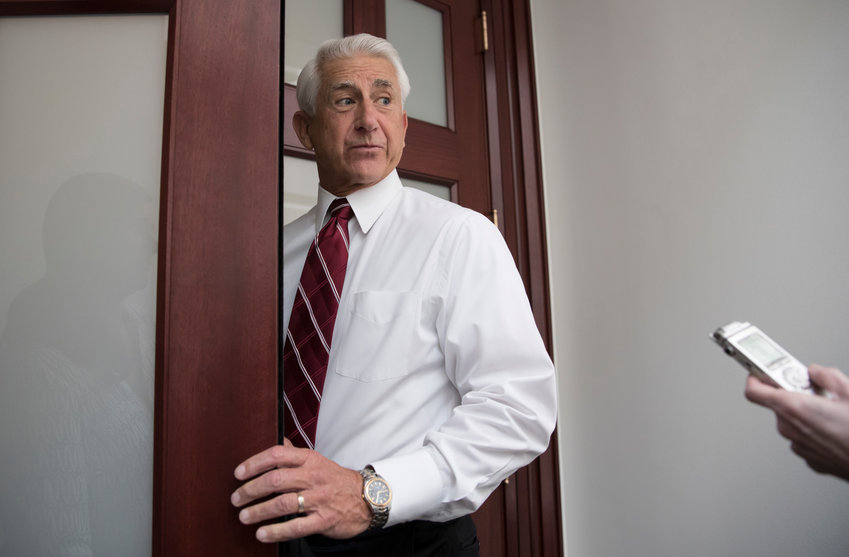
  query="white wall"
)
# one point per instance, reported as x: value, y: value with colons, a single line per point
x: 696, y: 172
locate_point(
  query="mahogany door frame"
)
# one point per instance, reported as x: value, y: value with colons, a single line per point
x: 530, y: 501
x: 217, y: 290
x: 533, y: 515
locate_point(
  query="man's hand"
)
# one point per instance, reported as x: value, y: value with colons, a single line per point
x: 274, y: 478
x: 817, y: 426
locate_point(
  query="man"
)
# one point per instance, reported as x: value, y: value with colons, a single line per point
x: 437, y: 383
x: 816, y: 426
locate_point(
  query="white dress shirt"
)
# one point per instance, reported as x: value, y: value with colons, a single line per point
x: 437, y: 374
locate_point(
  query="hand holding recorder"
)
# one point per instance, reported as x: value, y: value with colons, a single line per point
x: 816, y: 426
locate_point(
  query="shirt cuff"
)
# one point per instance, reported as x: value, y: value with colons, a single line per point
x: 416, y: 485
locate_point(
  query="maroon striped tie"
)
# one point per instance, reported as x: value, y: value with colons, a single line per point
x: 311, y: 323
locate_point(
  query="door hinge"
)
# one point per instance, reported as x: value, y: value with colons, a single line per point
x: 483, y: 43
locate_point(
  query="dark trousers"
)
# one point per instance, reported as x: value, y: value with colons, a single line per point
x: 456, y: 538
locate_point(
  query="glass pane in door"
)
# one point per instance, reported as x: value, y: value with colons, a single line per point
x: 300, y: 187
x: 81, y: 111
x: 308, y: 24
x: 416, y: 32
x: 443, y: 192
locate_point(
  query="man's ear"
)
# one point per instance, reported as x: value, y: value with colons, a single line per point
x: 404, y: 139
x: 301, y: 124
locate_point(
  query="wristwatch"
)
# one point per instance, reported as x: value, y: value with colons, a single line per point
x: 377, y: 495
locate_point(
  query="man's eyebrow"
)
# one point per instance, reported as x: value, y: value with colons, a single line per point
x: 377, y: 83
x: 342, y: 85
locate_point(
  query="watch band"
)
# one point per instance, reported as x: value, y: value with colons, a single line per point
x: 377, y: 495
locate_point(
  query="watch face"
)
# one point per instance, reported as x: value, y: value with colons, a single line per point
x: 378, y: 492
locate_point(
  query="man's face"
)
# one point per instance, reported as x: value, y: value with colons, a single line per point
x: 359, y: 126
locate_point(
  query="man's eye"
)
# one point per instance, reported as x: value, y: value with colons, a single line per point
x: 345, y: 102
x: 385, y: 101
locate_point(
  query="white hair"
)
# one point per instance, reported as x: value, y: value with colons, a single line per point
x: 309, y: 80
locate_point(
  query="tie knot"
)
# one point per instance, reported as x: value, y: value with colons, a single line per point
x: 341, y: 209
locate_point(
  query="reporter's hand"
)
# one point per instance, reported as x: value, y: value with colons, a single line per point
x: 332, y: 495
x: 817, y: 426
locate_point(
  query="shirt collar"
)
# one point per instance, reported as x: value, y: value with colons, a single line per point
x: 367, y: 203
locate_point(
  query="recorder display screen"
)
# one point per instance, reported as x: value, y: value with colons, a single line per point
x: 761, y: 349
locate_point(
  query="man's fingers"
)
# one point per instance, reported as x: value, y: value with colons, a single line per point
x: 331, y: 504
x: 270, y: 482
x: 282, y: 505
x: 291, y: 529
x: 260, y: 462
x: 281, y: 480
x: 279, y: 456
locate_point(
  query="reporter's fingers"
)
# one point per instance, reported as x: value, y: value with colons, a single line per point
x: 760, y: 393
x: 830, y: 379
x: 809, y: 451
x: 815, y: 459
x: 789, y: 430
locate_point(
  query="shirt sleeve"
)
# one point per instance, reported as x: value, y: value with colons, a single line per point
x: 497, y: 361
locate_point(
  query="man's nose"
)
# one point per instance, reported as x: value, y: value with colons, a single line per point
x: 366, y: 117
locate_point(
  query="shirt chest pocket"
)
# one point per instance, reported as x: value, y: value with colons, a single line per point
x: 376, y: 346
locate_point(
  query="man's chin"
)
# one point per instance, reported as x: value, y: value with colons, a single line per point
x: 369, y: 176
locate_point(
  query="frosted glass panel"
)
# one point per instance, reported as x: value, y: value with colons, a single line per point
x: 81, y: 105
x: 300, y: 187
x: 439, y: 191
x: 416, y: 31
x: 308, y: 24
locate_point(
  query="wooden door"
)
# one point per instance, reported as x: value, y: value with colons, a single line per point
x: 217, y: 350
x: 488, y: 154
x: 216, y: 332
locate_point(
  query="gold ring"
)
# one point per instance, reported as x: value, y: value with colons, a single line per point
x: 301, y: 508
